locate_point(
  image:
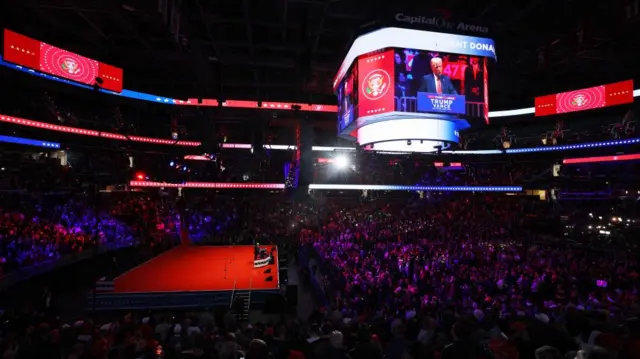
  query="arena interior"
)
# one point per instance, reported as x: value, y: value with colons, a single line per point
x: 315, y: 179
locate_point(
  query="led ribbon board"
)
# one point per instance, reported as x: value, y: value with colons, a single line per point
x: 85, y: 132
x: 223, y: 185
x: 208, y: 185
x: 416, y: 188
x: 577, y: 146
x: 585, y: 99
x: 58, y: 62
x: 601, y: 159
x: 29, y: 142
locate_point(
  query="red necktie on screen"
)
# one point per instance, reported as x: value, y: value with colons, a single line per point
x: 438, y: 85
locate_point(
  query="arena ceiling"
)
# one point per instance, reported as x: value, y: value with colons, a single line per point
x: 289, y: 50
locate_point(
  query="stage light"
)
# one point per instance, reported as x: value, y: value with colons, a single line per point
x: 342, y: 162
x: 171, y: 164
x: 140, y: 176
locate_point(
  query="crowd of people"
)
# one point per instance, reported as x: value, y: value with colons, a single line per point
x: 35, y: 230
x: 461, y: 279
x: 450, y: 276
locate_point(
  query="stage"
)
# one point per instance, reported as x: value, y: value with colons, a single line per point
x: 191, y: 276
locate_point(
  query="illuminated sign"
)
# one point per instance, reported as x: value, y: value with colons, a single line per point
x: 35, y: 54
x: 94, y: 133
x: 572, y: 161
x: 208, y: 185
x: 391, y: 37
x: 585, y: 99
x: 440, y: 23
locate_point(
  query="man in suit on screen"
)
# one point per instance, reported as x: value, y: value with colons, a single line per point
x: 436, y: 82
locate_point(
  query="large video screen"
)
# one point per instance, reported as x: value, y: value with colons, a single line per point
x: 37, y: 55
x: 439, y: 82
x: 348, y: 100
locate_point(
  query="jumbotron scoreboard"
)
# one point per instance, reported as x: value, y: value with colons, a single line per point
x: 412, y: 91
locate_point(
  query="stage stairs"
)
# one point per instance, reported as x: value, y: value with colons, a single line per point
x: 246, y: 297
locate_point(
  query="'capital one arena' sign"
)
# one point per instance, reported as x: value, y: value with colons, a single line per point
x: 440, y: 23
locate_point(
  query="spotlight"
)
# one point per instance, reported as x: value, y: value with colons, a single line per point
x: 408, y: 142
x: 341, y: 162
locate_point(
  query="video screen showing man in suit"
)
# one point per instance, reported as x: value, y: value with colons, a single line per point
x: 436, y: 81
x: 440, y: 73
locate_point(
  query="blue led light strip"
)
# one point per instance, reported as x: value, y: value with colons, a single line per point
x: 28, y: 142
x: 417, y: 188
x: 629, y: 141
x: 578, y: 146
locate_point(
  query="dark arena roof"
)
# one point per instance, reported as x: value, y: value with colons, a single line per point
x: 289, y: 50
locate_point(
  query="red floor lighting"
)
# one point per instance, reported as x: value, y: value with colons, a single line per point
x: 200, y: 268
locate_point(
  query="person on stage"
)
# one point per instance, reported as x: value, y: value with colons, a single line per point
x: 256, y: 251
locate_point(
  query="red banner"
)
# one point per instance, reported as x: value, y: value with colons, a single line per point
x: 111, y: 77
x: 25, y: 51
x: 619, y: 93
x: 545, y: 105
x: 21, y: 50
x: 376, y: 84
x: 585, y: 99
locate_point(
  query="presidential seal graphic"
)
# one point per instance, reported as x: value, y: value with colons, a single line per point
x: 66, y: 64
x: 376, y: 84
x: 70, y: 66
x: 578, y: 100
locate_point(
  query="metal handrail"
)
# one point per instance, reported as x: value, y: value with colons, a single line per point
x: 233, y: 291
x: 249, y: 299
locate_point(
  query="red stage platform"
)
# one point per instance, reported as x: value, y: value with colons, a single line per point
x: 199, y: 269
